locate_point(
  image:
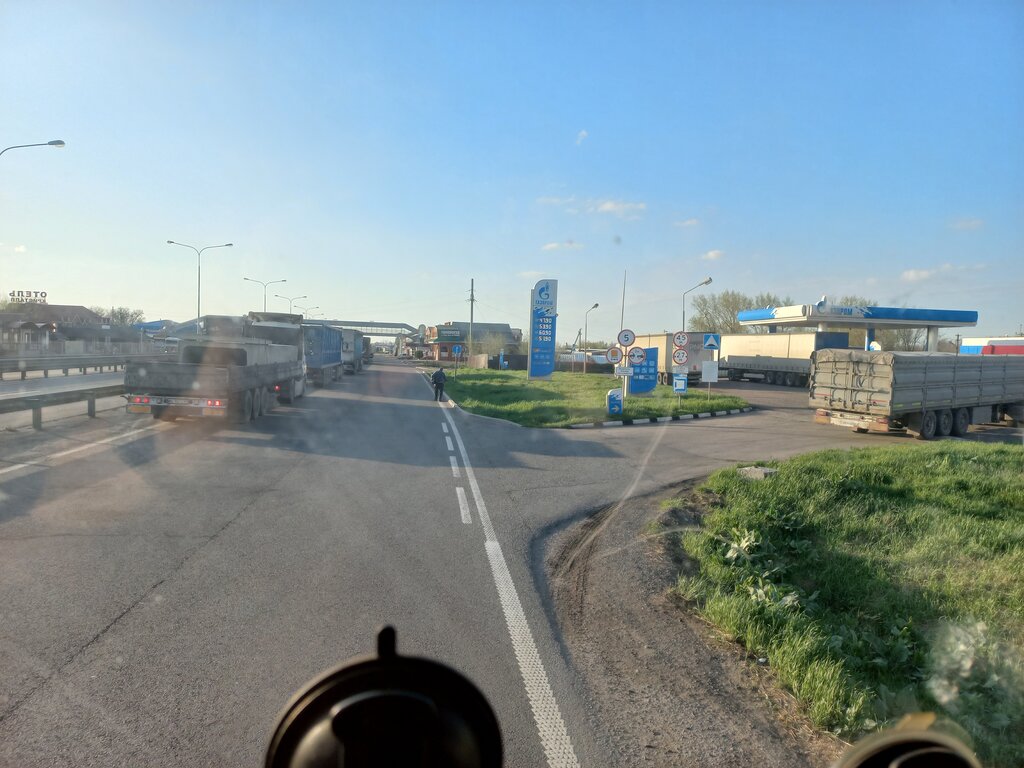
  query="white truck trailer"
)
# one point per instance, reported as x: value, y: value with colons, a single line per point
x: 351, y: 350
x: 775, y: 358
x: 925, y: 393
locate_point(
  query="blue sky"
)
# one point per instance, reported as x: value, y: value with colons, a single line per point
x: 380, y: 155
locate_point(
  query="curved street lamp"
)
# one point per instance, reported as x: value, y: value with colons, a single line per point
x: 585, y: 318
x: 54, y: 143
x: 290, y: 300
x: 269, y: 282
x: 705, y: 281
x: 199, y: 273
x: 304, y: 310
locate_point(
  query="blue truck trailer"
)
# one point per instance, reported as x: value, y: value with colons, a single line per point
x: 323, y: 352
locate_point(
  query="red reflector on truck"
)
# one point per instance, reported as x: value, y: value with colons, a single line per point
x: 277, y: 387
x: 137, y: 400
x: 145, y: 399
x: 216, y: 402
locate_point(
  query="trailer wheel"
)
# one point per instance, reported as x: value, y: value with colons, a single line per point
x: 789, y: 379
x: 254, y: 400
x: 945, y: 422
x: 769, y: 377
x: 961, y: 421
x: 802, y: 381
x: 929, y: 423
x: 243, y: 410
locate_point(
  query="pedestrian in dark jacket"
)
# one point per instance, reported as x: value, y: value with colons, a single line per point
x: 438, y: 379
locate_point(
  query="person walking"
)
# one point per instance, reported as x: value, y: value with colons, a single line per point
x: 438, y: 379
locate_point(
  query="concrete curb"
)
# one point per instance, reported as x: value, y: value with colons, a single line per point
x: 660, y: 419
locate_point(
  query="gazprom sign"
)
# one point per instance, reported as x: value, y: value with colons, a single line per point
x: 543, y: 312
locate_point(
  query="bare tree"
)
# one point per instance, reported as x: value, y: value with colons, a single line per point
x: 121, y: 315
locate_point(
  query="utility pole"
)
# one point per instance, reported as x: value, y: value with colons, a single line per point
x: 472, y: 301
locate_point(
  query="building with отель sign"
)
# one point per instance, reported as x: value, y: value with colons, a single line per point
x: 488, y: 338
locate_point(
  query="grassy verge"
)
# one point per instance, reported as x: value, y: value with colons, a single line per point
x: 567, y: 398
x: 877, y: 582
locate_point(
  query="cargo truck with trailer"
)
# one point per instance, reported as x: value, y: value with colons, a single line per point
x: 775, y: 358
x: 695, y: 354
x: 322, y: 352
x: 927, y: 394
x: 351, y: 350
x: 1002, y: 345
x: 367, y: 350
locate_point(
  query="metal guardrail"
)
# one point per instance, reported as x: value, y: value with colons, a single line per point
x: 67, y: 363
x: 36, y: 403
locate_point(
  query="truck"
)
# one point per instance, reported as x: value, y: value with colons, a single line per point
x: 1002, y: 345
x: 927, y: 394
x: 367, y: 350
x: 351, y: 350
x: 775, y: 358
x: 663, y: 342
x: 323, y: 352
x: 233, y: 369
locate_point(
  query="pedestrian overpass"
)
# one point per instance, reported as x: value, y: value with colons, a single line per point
x: 374, y: 328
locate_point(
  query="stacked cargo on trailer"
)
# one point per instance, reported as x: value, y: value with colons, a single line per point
x: 694, y: 354
x: 775, y: 358
x: 323, y: 352
x: 925, y: 393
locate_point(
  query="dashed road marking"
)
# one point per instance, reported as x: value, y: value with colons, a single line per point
x: 455, y: 467
x: 444, y: 427
x: 463, y: 505
x: 448, y: 441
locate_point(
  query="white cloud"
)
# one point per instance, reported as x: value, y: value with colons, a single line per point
x: 919, y: 275
x: 581, y: 136
x: 916, y: 275
x: 619, y: 208
x: 564, y: 245
x: 713, y: 255
x: 686, y: 223
x: 967, y: 224
x: 20, y: 249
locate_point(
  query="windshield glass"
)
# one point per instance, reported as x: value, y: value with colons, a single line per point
x: 656, y: 366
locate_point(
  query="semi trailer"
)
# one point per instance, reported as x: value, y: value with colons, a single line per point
x: 927, y: 394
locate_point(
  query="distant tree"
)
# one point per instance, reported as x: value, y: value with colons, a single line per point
x: 716, y: 312
x: 121, y: 315
x: 492, y: 344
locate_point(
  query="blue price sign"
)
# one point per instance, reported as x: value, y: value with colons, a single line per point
x: 543, y: 311
x: 645, y: 374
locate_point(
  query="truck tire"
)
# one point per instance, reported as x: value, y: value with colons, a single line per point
x: 255, y: 404
x: 789, y: 379
x: 961, y: 422
x: 769, y: 377
x: 945, y: 422
x: 802, y: 381
x: 929, y: 423
x: 243, y: 408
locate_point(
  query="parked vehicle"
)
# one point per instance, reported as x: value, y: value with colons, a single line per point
x: 323, y: 352
x: 351, y: 350
x: 235, y: 369
x: 775, y: 358
x: 367, y: 350
x: 663, y: 342
x: 924, y: 393
x: 1003, y: 345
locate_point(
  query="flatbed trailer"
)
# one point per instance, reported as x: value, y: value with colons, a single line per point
x: 927, y: 394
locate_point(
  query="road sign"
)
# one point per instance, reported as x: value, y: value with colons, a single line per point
x: 626, y: 337
x: 613, y: 355
x: 645, y: 373
x: 679, y: 357
x: 712, y: 341
x: 457, y: 350
x: 636, y: 355
x: 614, y: 402
x: 623, y: 370
x: 679, y: 384
x: 709, y: 372
x: 680, y: 338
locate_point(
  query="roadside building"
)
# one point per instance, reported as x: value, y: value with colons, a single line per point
x: 488, y: 338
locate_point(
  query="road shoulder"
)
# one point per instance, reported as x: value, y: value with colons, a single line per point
x: 664, y: 687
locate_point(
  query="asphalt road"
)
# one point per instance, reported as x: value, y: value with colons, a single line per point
x: 165, y: 588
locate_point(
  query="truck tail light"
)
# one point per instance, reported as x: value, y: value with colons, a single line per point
x: 145, y: 400
x: 137, y: 399
x: 216, y: 402
x: 277, y: 387
x: 209, y: 402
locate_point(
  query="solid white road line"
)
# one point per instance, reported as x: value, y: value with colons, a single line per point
x: 554, y: 737
x: 84, y: 447
x: 463, y: 505
x: 455, y: 467
x: 448, y: 442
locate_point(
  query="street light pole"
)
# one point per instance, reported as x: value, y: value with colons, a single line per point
x: 290, y: 300
x: 586, y: 317
x: 269, y: 282
x: 304, y: 310
x: 199, y: 273
x: 705, y: 281
x: 54, y: 143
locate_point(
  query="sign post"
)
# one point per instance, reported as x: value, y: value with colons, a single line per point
x: 543, y: 312
x: 457, y: 350
x: 625, y: 338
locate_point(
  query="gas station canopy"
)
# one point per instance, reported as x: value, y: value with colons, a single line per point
x: 824, y: 316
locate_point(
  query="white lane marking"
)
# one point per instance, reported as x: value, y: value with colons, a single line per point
x: 444, y: 427
x: 554, y: 737
x: 83, y: 447
x: 455, y: 467
x: 463, y: 505
x: 448, y: 442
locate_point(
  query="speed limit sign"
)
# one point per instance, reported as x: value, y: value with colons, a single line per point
x: 680, y: 339
x: 626, y: 337
x: 679, y: 357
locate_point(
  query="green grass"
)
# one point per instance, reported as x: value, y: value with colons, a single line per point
x: 876, y: 582
x: 568, y: 398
